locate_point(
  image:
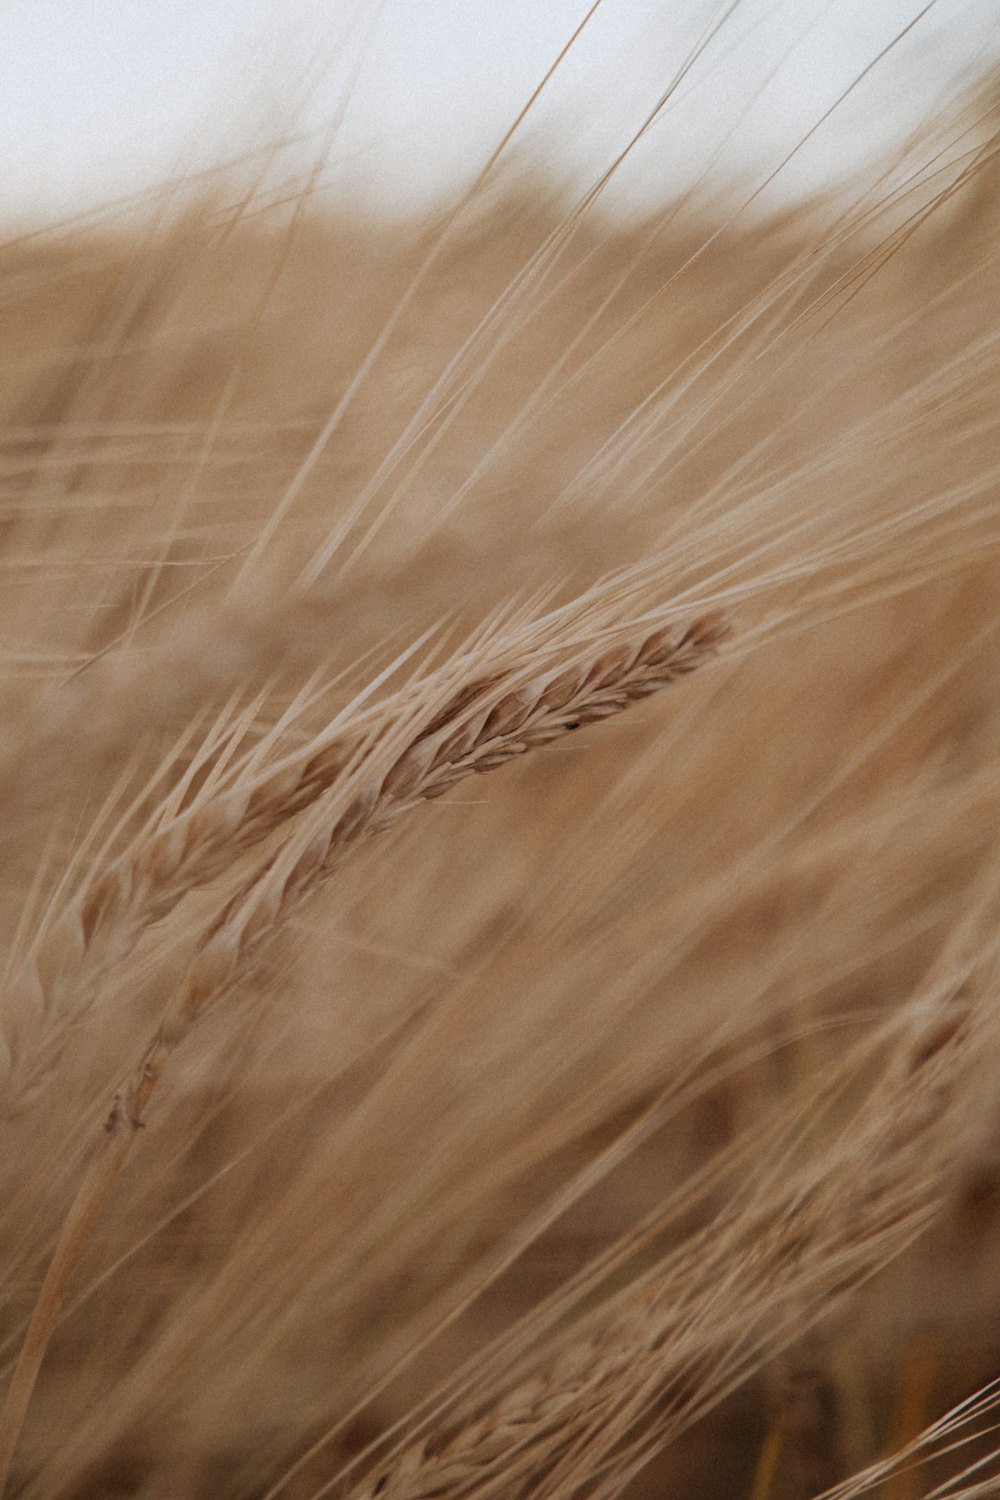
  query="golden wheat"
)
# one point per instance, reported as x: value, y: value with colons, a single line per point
x: 624, y: 1128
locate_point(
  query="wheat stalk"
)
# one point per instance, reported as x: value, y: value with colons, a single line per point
x: 483, y: 725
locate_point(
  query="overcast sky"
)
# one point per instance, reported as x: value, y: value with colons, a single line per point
x: 405, y: 98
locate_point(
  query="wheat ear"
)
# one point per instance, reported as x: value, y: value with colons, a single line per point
x: 480, y: 727
x: 598, y: 1398
x: 181, y: 849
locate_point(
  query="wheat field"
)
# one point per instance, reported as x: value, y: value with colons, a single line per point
x: 622, y: 1121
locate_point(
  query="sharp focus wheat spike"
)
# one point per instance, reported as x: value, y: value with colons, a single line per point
x: 99, y: 926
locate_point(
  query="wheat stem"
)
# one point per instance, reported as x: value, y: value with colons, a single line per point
x: 87, y: 1204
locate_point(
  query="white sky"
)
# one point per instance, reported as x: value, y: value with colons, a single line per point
x: 99, y: 98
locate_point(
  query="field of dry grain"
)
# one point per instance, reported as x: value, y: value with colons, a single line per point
x: 620, y: 1122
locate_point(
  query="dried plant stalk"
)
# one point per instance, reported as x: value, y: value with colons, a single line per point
x: 482, y: 726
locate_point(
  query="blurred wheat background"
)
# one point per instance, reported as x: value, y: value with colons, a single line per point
x: 620, y: 1123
